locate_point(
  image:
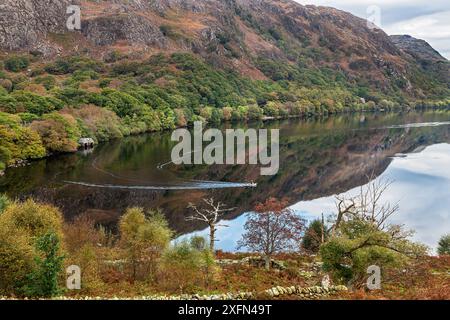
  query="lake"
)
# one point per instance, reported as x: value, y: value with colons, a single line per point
x: 319, y: 158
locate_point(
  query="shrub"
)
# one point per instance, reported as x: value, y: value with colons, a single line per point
x: 198, y: 242
x: 17, y: 142
x: 48, y: 82
x: 20, y: 225
x: 272, y: 109
x: 16, y: 259
x: 28, y: 118
x: 75, y: 97
x: 113, y: 56
x: 36, y: 104
x: 6, y: 84
x: 99, y: 123
x: 143, y: 239
x: 180, y: 118
x: 16, y: 63
x: 227, y: 113
x: 255, y: 113
x: 80, y: 232
x: 88, y: 246
x: 59, y: 67
x: 185, y: 267
x: 169, y: 31
x: 166, y: 117
x: 130, y: 67
x: 5, y: 157
x: 7, y: 103
x: 34, y: 219
x: 59, y: 132
x: 71, y: 64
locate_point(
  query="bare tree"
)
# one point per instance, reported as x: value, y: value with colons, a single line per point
x: 272, y: 228
x: 367, y: 205
x: 210, y: 214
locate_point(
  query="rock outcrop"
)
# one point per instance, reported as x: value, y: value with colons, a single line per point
x: 25, y: 24
x: 132, y: 28
x: 419, y: 49
x: 232, y: 33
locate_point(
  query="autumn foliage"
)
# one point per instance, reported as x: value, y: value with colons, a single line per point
x: 272, y: 228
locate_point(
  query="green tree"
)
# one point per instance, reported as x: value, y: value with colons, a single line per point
x: 4, y: 202
x: 122, y: 103
x: 361, y: 237
x: 315, y: 235
x: 360, y: 244
x: 444, y: 245
x: 43, y: 280
x: 198, y: 242
x: 34, y: 103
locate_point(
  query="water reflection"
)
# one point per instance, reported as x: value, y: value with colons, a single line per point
x: 421, y: 187
x: 318, y: 159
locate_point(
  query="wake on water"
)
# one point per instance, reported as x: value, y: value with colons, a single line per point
x: 192, y: 186
x: 418, y: 125
x: 183, y: 185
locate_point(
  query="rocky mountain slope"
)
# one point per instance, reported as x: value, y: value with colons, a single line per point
x: 419, y: 49
x: 262, y: 39
x: 134, y: 66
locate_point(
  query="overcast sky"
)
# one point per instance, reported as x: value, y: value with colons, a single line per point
x: 423, y: 19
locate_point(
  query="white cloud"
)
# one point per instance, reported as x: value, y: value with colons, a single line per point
x: 421, y: 19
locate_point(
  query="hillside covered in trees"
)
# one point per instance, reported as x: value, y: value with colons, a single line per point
x: 141, y: 66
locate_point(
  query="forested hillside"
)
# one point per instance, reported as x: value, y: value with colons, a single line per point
x: 140, y: 66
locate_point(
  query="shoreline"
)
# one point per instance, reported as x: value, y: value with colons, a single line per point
x: 305, y: 116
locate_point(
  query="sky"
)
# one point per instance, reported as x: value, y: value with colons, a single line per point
x: 424, y: 19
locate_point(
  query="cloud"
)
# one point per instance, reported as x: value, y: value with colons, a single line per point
x: 435, y: 28
x: 427, y: 20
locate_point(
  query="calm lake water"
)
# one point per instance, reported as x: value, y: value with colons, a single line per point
x: 319, y: 158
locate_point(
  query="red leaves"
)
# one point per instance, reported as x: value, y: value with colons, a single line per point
x: 272, y: 228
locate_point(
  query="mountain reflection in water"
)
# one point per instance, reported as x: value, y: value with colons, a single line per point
x: 319, y: 158
x: 421, y: 187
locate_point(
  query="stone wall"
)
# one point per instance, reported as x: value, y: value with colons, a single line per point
x: 275, y: 292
